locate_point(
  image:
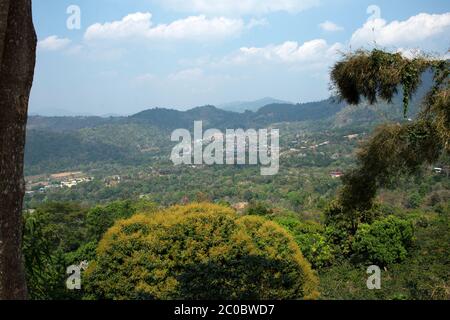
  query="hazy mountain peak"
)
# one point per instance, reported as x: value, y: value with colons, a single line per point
x: 242, y: 106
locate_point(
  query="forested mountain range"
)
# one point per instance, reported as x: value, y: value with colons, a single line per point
x: 211, y: 116
x: 56, y: 143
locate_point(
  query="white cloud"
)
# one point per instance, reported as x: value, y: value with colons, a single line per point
x: 416, y: 32
x: 53, y: 43
x: 317, y: 50
x: 239, y: 7
x: 330, y: 26
x: 139, y: 26
x: 257, y: 23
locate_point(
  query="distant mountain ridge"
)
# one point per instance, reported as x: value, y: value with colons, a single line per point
x: 242, y: 106
x: 236, y: 106
x: 211, y: 116
x: 60, y: 143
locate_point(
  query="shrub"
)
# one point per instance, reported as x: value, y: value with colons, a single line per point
x: 258, y: 209
x: 84, y: 252
x: 101, y: 218
x: 338, y: 216
x: 45, y: 266
x: 342, y: 224
x: 414, y: 201
x: 311, y: 238
x: 385, y: 241
x: 199, y: 251
x: 63, y: 224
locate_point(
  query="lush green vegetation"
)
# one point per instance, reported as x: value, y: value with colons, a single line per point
x: 205, y: 245
x: 200, y: 251
x: 300, y: 234
x: 383, y: 242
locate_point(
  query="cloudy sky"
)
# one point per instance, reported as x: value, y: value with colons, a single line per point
x: 130, y: 55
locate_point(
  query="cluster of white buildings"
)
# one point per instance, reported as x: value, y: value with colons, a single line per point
x: 74, y: 182
x: 55, y: 181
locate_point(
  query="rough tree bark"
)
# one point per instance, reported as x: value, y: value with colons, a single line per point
x: 17, y: 61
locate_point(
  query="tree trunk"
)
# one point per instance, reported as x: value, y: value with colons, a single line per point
x: 17, y: 61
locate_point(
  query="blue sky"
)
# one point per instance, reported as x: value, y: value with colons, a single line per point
x: 133, y: 55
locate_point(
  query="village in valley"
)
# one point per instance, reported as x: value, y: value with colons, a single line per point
x: 312, y: 158
x: 43, y: 183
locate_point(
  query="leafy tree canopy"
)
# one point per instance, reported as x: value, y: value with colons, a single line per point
x: 199, y: 251
x: 385, y: 241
